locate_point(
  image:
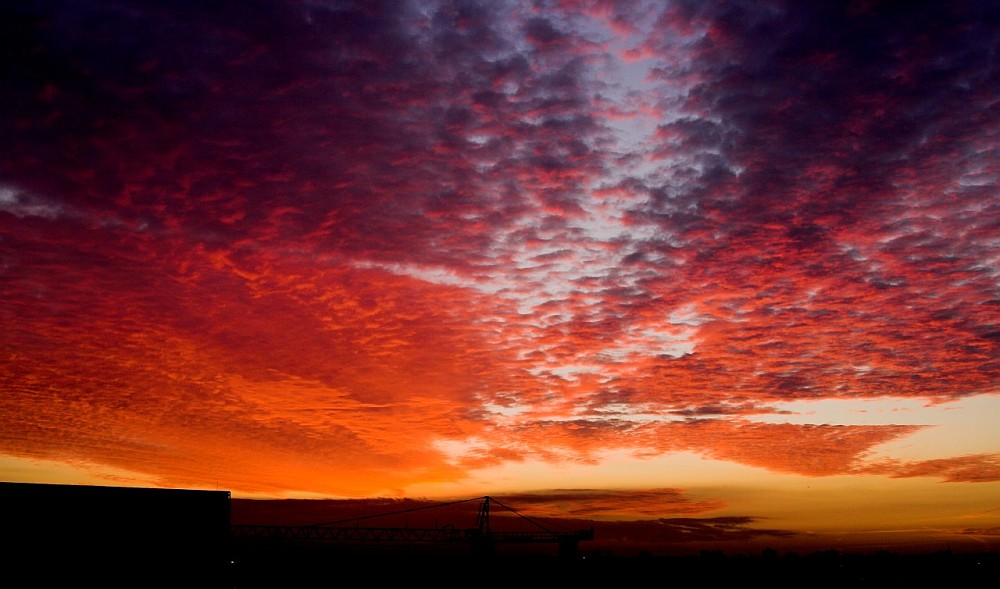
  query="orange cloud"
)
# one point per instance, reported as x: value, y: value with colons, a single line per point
x: 980, y: 468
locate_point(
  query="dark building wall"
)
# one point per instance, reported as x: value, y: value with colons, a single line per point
x: 137, y: 536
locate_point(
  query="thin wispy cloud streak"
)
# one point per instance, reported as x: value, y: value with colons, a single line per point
x: 352, y: 249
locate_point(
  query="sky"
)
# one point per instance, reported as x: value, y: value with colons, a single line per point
x: 726, y: 264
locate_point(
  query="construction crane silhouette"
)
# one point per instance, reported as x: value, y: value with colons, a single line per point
x: 482, y: 538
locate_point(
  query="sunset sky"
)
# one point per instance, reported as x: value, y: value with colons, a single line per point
x: 731, y: 263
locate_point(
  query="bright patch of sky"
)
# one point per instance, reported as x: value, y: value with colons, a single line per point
x: 965, y: 426
x: 17, y: 203
x: 649, y: 341
x: 76, y: 473
x: 617, y: 469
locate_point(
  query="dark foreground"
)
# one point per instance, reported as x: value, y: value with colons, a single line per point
x: 328, y: 568
x: 283, y: 567
x: 63, y: 535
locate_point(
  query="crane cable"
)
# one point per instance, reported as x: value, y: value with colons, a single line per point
x: 521, y: 515
x: 421, y: 508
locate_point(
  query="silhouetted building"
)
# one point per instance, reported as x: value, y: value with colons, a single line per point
x: 118, y: 536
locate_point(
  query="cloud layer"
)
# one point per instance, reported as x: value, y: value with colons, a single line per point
x: 345, y: 248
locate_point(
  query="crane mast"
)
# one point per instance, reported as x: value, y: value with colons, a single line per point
x: 482, y: 538
x: 483, y: 519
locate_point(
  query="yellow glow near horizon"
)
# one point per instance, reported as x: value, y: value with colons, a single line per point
x: 964, y: 426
